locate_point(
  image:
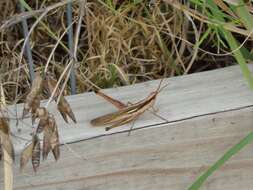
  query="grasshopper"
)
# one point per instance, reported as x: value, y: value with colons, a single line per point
x: 126, y: 113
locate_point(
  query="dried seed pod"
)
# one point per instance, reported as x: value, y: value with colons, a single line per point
x: 49, y: 85
x: 56, y: 152
x: 36, y: 153
x: 46, y: 142
x: 56, y: 146
x: 8, y: 146
x: 43, y: 115
x: 51, y: 139
x: 48, y: 132
x: 31, y: 102
x: 54, y: 141
x: 26, y: 155
x: 1, y: 152
x: 63, y: 105
x: 65, y: 110
x: 4, y: 126
x: 5, y: 137
x: 35, y: 106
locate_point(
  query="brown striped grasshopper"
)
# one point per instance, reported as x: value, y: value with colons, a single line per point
x: 127, y: 112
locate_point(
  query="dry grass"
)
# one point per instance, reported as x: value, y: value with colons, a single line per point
x: 118, y: 45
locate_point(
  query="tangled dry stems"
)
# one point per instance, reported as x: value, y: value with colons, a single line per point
x: 119, y: 45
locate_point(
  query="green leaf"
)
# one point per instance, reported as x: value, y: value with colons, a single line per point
x: 233, y: 44
x: 232, y: 151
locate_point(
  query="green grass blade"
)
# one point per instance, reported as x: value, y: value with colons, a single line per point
x: 239, y: 57
x: 233, y: 44
x: 232, y: 151
x: 244, y: 15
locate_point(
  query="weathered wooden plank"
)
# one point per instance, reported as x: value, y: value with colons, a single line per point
x: 208, y: 113
x: 185, y: 97
x: 170, y: 156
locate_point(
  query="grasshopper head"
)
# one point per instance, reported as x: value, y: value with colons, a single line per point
x: 158, y: 90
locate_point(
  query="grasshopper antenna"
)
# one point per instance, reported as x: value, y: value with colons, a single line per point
x: 163, y: 87
x: 160, y: 87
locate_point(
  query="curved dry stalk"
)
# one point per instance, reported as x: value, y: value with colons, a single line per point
x: 208, y: 52
x: 205, y: 19
x: 78, y: 28
x: 58, y: 83
x: 196, y: 47
x: 178, y: 53
x: 29, y: 33
x: 15, y: 20
x: 6, y: 146
x: 56, y: 45
x: 65, y: 82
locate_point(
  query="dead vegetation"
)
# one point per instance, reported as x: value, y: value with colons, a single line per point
x: 119, y: 44
x: 46, y: 123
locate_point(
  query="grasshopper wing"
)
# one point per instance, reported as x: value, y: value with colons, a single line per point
x: 117, y: 116
x: 122, y: 122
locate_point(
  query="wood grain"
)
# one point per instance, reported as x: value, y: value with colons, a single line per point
x: 208, y: 112
x: 185, y: 97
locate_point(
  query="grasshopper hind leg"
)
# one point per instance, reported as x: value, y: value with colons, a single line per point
x: 132, y: 126
x: 154, y: 110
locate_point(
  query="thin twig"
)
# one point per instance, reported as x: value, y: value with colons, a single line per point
x: 55, y: 46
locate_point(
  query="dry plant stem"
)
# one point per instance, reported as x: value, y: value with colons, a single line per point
x: 15, y: 19
x: 89, y: 81
x: 67, y: 69
x: 78, y: 28
x: 29, y: 33
x: 171, y: 2
x: 74, y: 54
x: 194, y: 14
x: 197, y: 38
x: 205, y: 19
x: 58, y: 83
x: 210, y: 53
x: 179, y: 59
x: 35, y: 24
x: 74, y: 58
x: 13, y: 70
x: 8, y: 174
x: 47, y: 9
x: 55, y: 46
x: 66, y: 80
x: 22, y: 52
x: 7, y: 159
x: 185, y: 27
x: 197, y: 35
x: 219, y: 55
